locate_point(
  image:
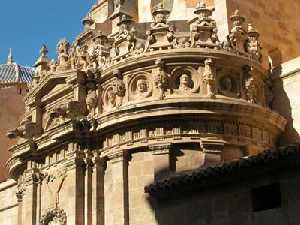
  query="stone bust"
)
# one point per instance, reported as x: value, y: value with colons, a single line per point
x: 227, y: 84
x: 142, y: 89
x: 185, y: 84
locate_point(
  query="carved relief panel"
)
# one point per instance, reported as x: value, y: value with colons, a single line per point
x: 228, y: 83
x: 140, y: 86
x: 184, y: 81
x: 113, y: 93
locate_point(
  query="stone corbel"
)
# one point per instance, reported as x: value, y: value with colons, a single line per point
x: 212, y: 150
x: 161, y: 160
x: 118, y: 156
x: 27, y: 131
x: 160, y: 149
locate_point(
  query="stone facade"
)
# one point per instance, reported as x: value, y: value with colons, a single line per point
x: 133, y: 101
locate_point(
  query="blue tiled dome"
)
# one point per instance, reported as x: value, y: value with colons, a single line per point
x: 11, y: 72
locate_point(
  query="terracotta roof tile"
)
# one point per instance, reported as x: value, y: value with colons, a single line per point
x: 282, y: 158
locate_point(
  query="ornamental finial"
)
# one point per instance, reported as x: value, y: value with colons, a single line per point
x: 10, y: 58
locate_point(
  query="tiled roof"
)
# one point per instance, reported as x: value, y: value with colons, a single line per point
x: 13, y: 73
x: 267, y: 162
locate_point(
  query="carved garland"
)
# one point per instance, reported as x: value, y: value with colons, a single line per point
x: 54, y: 217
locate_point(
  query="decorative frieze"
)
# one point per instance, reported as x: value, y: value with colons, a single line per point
x: 197, y: 129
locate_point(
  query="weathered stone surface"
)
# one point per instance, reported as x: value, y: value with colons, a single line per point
x: 134, y: 100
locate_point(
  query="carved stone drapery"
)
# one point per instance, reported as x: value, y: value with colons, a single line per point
x: 55, y: 178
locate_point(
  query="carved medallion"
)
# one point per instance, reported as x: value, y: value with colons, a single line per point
x: 185, y: 81
x: 228, y: 86
x: 113, y: 94
x: 140, y: 87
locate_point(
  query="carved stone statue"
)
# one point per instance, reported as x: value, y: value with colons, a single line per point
x: 203, y: 28
x: 53, y: 66
x: 92, y: 102
x: 160, y: 79
x: 185, y: 84
x: 161, y: 34
x: 62, y: 48
x: 253, y: 44
x: 160, y: 15
x: 251, y: 90
x: 83, y: 57
x: 209, y: 78
x: 125, y: 38
x: 237, y: 36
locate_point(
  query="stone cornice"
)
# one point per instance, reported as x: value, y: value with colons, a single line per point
x: 192, y: 106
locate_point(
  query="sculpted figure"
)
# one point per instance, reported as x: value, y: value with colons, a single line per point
x: 160, y: 79
x: 237, y: 35
x: 251, y: 90
x: 160, y: 17
x: 142, y: 89
x: 82, y: 55
x: 111, y: 98
x: 92, y: 102
x: 73, y: 57
x: 53, y: 66
x: 185, y: 84
x: 253, y: 44
x: 63, y: 53
x: 209, y: 78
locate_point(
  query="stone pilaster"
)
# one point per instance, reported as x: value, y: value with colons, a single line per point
x: 76, y: 179
x: 98, y: 191
x: 19, y: 195
x: 88, y: 187
x: 119, y: 168
x: 162, y: 160
x: 29, y: 201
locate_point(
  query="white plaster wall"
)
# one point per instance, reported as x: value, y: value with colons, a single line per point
x: 8, y: 203
x: 286, y: 90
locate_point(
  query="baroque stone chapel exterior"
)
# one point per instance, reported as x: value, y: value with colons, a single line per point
x: 151, y: 103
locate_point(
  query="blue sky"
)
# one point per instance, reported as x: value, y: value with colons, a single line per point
x: 27, y: 24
